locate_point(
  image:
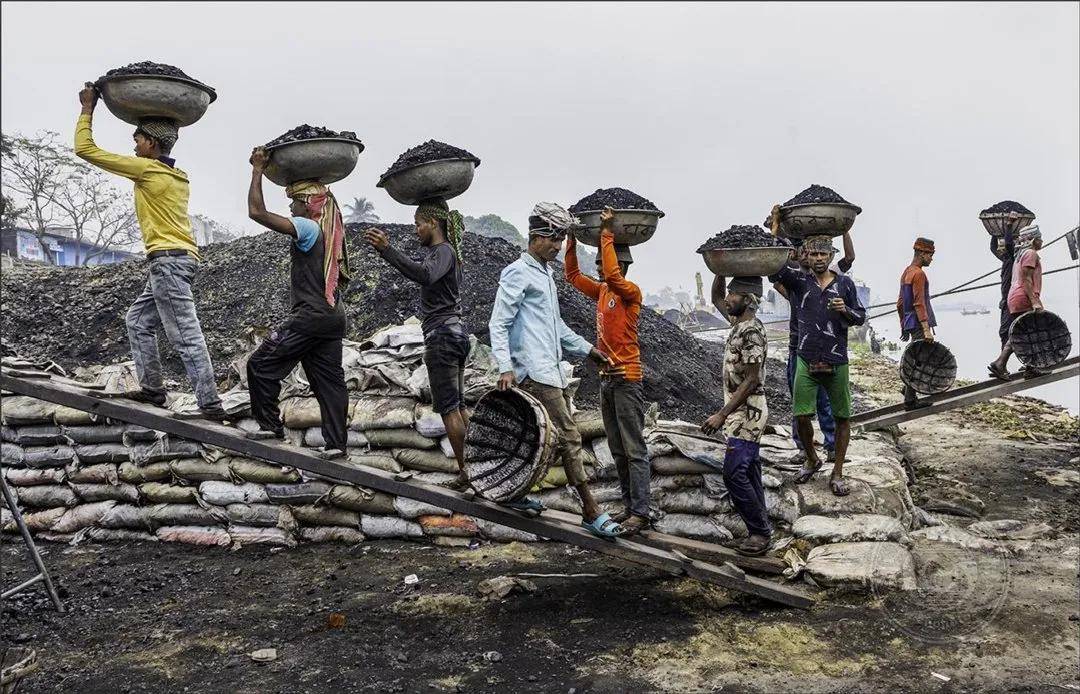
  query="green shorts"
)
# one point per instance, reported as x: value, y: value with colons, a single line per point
x: 805, y: 388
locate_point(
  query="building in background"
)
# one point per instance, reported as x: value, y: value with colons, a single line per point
x: 62, y: 249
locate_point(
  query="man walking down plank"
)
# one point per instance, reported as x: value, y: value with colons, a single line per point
x: 312, y: 336
x: 622, y: 399
x: 528, y: 338
x: 161, y: 206
x: 446, y: 344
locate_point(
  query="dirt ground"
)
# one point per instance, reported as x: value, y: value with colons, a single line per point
x: 166, y: 618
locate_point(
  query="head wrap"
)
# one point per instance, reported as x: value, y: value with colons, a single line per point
x: 818, y: 244
x: 321, y: 202
x: 161, y: 130
x: 923, y: 244
x: 549, y: 219
x: 436, y: 208
x: 1026, y: 236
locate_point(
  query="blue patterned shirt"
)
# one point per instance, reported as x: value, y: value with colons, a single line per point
x: 822, y: 332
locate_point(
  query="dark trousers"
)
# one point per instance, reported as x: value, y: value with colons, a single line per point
x: 277, y: 356
x: 824, y: 409
x: 742, y: 476
x: 622, y: 404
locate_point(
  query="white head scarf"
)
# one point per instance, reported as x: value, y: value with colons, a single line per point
x: 554, y: 217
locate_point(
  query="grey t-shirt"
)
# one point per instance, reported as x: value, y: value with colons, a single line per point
x: 439, y: 275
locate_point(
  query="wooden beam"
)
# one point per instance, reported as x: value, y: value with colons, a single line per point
x: 281, y: 453
x: 961, y: 397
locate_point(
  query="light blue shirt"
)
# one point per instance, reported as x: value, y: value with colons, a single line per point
x: 528, y: 335
x: 307, y: 233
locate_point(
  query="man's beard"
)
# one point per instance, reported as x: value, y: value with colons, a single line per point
x: 737, y: 311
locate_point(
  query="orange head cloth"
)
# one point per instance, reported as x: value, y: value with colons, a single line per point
x: 322, y: 204
x: 924, y: 245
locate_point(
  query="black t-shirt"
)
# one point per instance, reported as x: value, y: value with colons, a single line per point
x: 439, y: 275
x: 311, y: 314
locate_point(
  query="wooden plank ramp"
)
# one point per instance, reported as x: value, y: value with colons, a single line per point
x: 673, y: 562
x: 960, y: 397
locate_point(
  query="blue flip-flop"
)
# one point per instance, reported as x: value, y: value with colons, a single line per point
x: 603, y: 526
x: 526, y: 505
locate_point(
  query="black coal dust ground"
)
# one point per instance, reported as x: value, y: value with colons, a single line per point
x: 75, y: 316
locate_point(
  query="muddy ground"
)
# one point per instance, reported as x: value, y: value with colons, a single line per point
x: 146, y: 617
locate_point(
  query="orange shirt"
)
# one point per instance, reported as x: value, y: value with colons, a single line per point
x: 618, y: 307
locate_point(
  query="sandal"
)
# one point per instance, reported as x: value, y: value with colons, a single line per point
x: 603, y: 527
x: 632, y: 525
x: 838, y: 486
x: 998, y: 372
x: 807, y: 474
x: 622, y: 516
x: 265, y: 434
x: 530, y: 507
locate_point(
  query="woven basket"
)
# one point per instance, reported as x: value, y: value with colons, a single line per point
x: 928, y: 367
x: 1040, y: 339
x: 509, y: 445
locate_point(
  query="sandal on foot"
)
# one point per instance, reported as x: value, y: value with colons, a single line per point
x: 632, y: 525
x: 998, y: 372
x: 603, y: 527
x: 460, y: 484
x: 264, y: 434
x: 330, y: 453
x: 807, y: 474
x: 838, y: 486
x: 622, y: 516
x: 530, y: 507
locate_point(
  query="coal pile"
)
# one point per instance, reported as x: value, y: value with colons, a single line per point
x: 432, y: 150
x: 816, y: 193
x: 1007, y: 206
x: 147, y: 67
x: 75, y: 316
x: 742, y: 236
x: 615, y: 198
x: 310, y: 132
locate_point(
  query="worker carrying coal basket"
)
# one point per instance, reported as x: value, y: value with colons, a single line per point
x: 446, y: 342
x: 528, y: 340
x: 829, y: 305
x: 161, y: 206
x: 622, y: 397
x: 917, y: 320
x: 312, y: 335
x: 745, y: 413
x: 1025, y: 293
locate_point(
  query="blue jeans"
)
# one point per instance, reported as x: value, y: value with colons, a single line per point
x: 742, y: 476
x: 824, y: 410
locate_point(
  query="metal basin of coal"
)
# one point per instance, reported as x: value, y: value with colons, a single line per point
x: 132, y: 98
x: 443, y: 178
x: 996, y: 224
x: 632, y: 226
x: 325, y: 159
x: 817, y: 219
x: 740, y: 262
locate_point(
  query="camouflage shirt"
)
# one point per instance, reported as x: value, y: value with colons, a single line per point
x: 746, y: 345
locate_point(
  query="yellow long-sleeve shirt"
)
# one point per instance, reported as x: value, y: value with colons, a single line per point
x: 161, y: 192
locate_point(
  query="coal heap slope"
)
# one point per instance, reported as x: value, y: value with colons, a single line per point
x: 75, y: 316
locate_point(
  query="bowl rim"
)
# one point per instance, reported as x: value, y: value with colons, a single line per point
x: 390, y: 174
x: 169, y: 78
x: 346, y: 140
x: 658, y: 213
x: 849, y: 205
x: 1005, y: 215
x: 787, y: 249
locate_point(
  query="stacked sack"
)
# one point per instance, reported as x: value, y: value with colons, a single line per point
x: 78, y: 477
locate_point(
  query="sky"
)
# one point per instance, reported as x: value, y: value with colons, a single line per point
x: 922, y: 114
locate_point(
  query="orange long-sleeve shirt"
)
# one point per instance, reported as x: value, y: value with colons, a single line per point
x: 618, y: 308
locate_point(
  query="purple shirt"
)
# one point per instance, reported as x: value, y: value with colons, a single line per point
x: 822, y: 333
x: 793, y: 322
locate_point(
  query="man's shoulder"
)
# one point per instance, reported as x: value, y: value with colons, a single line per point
x: 514, y: 269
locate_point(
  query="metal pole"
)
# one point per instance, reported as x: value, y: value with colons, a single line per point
x: 43, y: 573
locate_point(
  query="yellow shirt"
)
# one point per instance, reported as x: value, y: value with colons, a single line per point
x: 161, y: 192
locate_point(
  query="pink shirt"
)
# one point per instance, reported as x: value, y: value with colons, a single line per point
x: 1018, y: 299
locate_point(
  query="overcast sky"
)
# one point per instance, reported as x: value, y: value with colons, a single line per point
x: 922, y: 114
